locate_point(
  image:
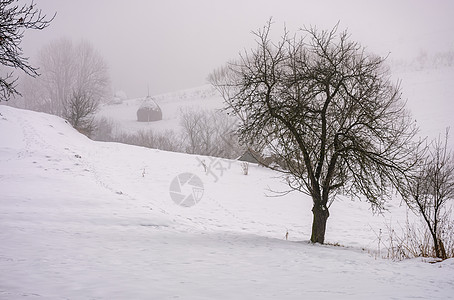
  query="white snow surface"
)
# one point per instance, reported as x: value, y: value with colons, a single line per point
x: 89, y: 220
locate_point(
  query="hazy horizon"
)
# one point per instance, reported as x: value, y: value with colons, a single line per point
x: 174, y: 45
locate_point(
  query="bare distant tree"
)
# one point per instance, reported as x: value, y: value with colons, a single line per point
x: 431, y: 187
x: 92, y: 73
x: 327, y: 109
x: 58, y: 66
x: 209, y: 133
x: 14, y: 20
x: 72, y: 77
x: 191, y: 122
x: 79, y: 109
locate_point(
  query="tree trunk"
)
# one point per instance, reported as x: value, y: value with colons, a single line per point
x: 440, y: 251
x: 321, y: 215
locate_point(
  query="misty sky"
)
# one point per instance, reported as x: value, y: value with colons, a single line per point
x: 172, y: 45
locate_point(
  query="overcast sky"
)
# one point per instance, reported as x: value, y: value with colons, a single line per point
x: 174, y: 44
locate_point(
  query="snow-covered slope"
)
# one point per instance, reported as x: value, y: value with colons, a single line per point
x: 428, y: 92
x: 89, y: 220
x: 124, y: 113
x: 426, y: 88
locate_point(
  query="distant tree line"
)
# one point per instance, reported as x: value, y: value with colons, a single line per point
x: 425, y: 61
x: 201, y: 132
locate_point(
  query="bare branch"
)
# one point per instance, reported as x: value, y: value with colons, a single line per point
x: 327, y: 109
x: 14, y: 20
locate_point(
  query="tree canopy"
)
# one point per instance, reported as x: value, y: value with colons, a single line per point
x: 328, y: 109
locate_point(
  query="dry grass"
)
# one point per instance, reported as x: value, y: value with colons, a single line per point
x: 410, y: 240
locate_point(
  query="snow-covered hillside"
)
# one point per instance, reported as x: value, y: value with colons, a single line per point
x: 89, y: 220
x: 123, y: 114
x: 426, y: 88
x: 428, y: 94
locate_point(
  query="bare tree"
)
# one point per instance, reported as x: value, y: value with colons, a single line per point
x: 48, y: 93
x: 431, y: 187
x: 14, y: 20
x: 209, y: 133
x: 91, y: 71
x: 73, y: 77
x: 190, y: 122
x: 79, y: 109
x: 327, y: 109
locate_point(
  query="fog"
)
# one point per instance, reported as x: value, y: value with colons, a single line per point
x: 173, y: 45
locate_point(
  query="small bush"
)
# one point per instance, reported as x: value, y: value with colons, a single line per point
x: 245, y: 167
x: 410, y: 240
x: 104, y: 130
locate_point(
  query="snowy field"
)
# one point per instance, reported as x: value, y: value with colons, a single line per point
x: 428, y: 92
x: 90, y: 220
x: 124, y: 113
